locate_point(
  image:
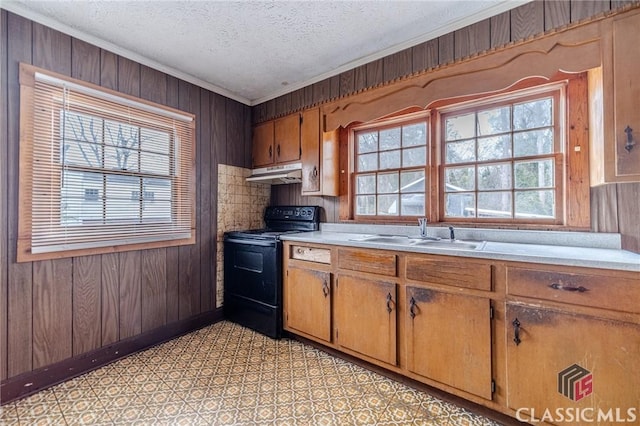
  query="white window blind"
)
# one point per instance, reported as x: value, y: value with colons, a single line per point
x: 104, y: 170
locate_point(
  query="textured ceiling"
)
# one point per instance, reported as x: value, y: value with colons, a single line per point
x: 254, y: 51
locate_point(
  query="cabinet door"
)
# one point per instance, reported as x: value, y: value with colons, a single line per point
x: 627, y: 92
x: 287, y: 138
x: 449, y: 339
x: 568, y: 361
x: 263, y: 154
x: 365, y: 315
x: 310, y: 141
x: 307, y: 302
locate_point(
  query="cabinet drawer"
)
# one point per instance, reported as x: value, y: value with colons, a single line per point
x: 457, y: 272
x: 615, y: 293
x: 312, y: 254
x: 367, y: 261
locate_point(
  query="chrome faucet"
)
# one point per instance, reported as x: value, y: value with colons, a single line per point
x: 452, y: 234
x: 422, y: 223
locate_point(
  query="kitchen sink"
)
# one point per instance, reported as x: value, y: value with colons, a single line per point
x: 417, y: 241
x: 386, y: 239
x: 452, y: 245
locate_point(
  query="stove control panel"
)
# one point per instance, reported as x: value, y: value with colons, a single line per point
x: 292, y: 213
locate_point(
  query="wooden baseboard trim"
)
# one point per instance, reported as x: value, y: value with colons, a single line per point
x: 31, y: 382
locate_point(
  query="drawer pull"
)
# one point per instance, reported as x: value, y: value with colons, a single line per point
x: 300, y: 251
x: 389, y: 300
x: 516, y: 331
x: 325, y: 288
x: 412, y: 308
x: 557, y: 286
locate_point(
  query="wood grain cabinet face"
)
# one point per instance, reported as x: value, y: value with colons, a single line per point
x: 540, y: 369
x: 287, y: 139
x: 307, y: 302
x: 262, y: 148
x: 449, y: 339
x: 310, y: 142
x: 626, y: 74
x: 365, y: 317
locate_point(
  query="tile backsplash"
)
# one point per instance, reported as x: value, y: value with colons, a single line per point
x: 241, y: 205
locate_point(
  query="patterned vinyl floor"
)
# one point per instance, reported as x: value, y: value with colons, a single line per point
x: 225, y: 374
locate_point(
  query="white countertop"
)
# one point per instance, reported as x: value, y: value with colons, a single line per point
x: 590, y: 250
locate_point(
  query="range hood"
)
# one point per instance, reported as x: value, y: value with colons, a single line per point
x: 277, y: 175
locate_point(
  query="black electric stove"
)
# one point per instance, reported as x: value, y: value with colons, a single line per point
x: 253, y: 268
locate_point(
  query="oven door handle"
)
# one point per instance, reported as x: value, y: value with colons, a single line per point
x: 251, y: 242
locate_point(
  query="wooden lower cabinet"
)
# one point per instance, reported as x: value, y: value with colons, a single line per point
x: 365, y: 317
x: 569, y: 364
x: 448, y: 339
x: 307, y: 302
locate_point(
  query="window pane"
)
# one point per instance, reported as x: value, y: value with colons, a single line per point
x: 415, y: 134
x: 529, y: 115
x: 460, y: 205
x: 81, y: 198
x: 387, y: 182
x: 535, y: 204
x: 494, y: 204
x: 123, y: 199
x: 390, y: 159
x: 534, y: 174
x: 494, y: 121
x: 460, y: 179
x: 156, y: 200
x: 366, y: 204
x: 155, y: 163
x: 367, y: 142
x: 534, y: 142
x: 368, y: 162
x: 390, y: 139
x: 388, y: 204
x: 412, y: 204
x: 155, y: 141
x: 157, y: 211
x: 412, y: 181
x: 494, y: 176
x: 494, y: 148
x: 121, y: 152
x: 461, y: 152
x: 366, y: 184
x: 461, y: 127
x: 82, y: 140
x: 414, y: 157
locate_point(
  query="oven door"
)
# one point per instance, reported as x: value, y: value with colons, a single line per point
x: 253, y: 284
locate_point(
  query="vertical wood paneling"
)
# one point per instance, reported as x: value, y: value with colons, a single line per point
x: 246, y: 125
x: 472, y: 39
x: 527, y: 20
x: 628, y: 214
x: 19, y: 279
x: 425, y: 55
x: 446, y: 48
x: 52, y: 319
x: 173, y: 253
x: 500, y: 29
x: 51, y: 49
x: 154, y: 289
x: 128, y: 77
x: 108, y: 70
x: 235, y: 134
x: 578, y: 154
x: 581, y: 9
x: 334, y: 89
x: 347, y: 82
x: 604, y: 206
x: 205, y: 201
x: 283, y: 104
x: 375, y: 72
x: 397, y: 65
x: 4, y: 237
x: 153, y: 85
x: 271, y: 108
x: 360, y: 78
x: 297, y: 98
x: 87, y: 281
x: 556, y: 13
x: 85, y: 61
x: 213, y: 194
x: 321, y: 91
x: 307, y: 100
x: 110, y: 311
x: 194, y: 107
x: 130, y: 293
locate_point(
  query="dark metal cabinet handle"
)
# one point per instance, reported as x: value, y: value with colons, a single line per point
x: 325, y: 288
x: 630, y: 142
x: 314, y: 173
x: 389, y: 300
x: 516, y: 331
x: 412, y: 308
x: 278, y: 150
x: 558, y: 286
x: 270, y: 151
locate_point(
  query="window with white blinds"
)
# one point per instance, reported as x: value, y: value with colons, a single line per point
x: 101, y: 171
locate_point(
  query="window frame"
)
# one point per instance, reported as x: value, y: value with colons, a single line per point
x: 180, y: 230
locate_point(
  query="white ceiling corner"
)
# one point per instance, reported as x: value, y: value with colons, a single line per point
x: 253, y: 51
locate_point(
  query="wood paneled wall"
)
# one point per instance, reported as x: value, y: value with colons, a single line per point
x: 615, y: 208
x: 55, y: 309
x: 514, y: 25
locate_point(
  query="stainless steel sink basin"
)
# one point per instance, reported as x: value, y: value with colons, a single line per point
x: 386, y: 239
x: 452, y: 245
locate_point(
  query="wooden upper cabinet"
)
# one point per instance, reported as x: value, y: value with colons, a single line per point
x: 449, y: 339
x: 263, y: 149
x: 365, y: 317
x: 626, y: 92
x: 310, y: 141
x: 570, y: 361
x: 287, y: 139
